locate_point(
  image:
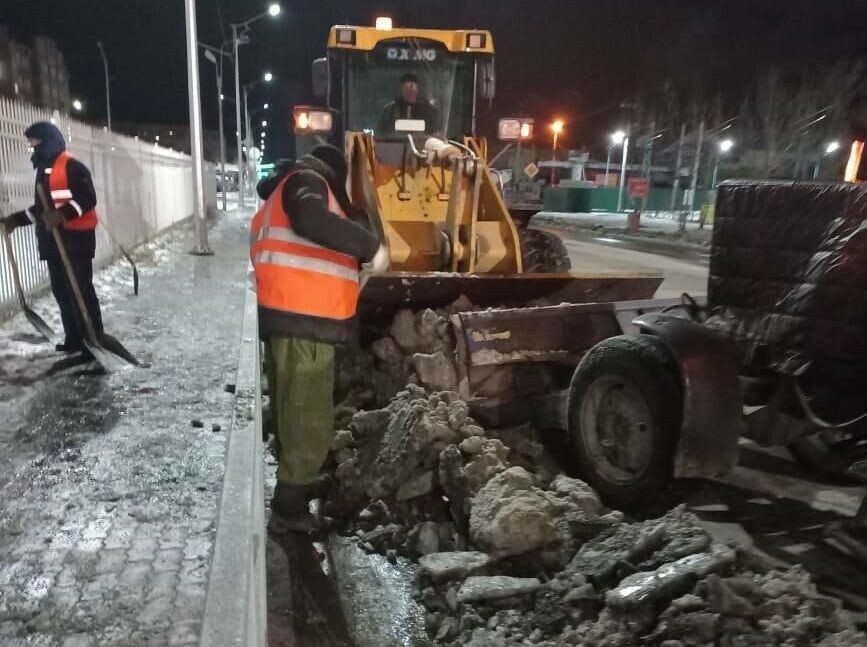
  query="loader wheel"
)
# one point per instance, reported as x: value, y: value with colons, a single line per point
x: 543, y: 252
x: 625, y: 405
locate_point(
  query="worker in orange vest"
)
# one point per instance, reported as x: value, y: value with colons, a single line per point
x: 70, y: 186
x: 306, y: 255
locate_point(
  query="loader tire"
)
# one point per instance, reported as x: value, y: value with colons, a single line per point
x: 543, y: 252
x: 625, y: 408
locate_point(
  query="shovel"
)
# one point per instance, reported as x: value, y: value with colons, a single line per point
x: 125, y: 254
x: 35, y: 320
x: 104, y: 348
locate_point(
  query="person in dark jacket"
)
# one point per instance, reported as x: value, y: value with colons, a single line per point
x: 69, y: 186
x: 409, y: 105
x: 306, y: 254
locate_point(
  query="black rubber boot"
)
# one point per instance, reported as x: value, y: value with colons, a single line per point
x: 290, y: 510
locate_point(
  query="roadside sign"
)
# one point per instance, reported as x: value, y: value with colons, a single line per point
x: 639, y: 187
x: 531, y: 170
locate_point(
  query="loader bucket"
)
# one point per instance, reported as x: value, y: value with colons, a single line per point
x: 385, y: 294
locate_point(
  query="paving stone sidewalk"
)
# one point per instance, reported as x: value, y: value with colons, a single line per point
x: 108, y: 492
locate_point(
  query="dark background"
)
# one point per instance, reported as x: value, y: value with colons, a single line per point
x: 576, y: 59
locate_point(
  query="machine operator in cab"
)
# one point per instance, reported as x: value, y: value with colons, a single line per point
x: 408, y: 105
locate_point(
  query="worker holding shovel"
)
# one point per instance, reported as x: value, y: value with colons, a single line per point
x: 73, y: 198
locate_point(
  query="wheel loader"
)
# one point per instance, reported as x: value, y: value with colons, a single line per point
x: 427, y: 192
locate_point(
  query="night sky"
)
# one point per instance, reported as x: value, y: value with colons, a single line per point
x: 570, y: 58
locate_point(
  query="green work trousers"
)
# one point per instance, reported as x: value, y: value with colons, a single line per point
x: 300, y: 375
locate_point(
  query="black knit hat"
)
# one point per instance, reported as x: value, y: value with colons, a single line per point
x: 333, y: 157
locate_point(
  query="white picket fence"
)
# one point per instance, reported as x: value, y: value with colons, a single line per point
x: 141, y: 189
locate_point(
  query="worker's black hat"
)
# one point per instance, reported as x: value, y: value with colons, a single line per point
x: 408, y: 77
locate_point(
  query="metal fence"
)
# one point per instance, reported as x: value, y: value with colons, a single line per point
x: 141, y: 189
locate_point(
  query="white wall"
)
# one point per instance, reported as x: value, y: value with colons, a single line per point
x: 141, y: 189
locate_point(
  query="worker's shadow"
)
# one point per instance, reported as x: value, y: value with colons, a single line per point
x: 304, y: 607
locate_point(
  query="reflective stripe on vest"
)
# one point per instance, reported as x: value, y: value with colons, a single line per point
x: 294, y: 274
x: 61, y: 195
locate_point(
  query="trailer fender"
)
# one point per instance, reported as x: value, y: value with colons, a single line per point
x: 712, y: 402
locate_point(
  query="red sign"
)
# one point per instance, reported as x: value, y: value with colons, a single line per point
x: 638, y: 187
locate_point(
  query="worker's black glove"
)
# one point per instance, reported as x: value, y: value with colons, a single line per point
x: 52, y: 219
x: 10, y: 223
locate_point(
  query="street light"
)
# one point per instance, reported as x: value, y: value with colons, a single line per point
x: 268, y: 76
x: 107, y: 94
x: 722, y: 148
x: 273, y: 11
x: 218, y: 68
x: 77, y: 105
x: 617, y: 138
x: 830, y: 149
x: 557, y: 129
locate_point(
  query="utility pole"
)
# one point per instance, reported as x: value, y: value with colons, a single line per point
x: 218, y: 68
x: 696, y: 166
x: 196, y: 148
x: 677, y: 166
x: 107, y: 91
x: 623, y: 171
x: 235, y: 43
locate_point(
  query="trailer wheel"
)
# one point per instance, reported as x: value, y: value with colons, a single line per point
x: 625, y: 407
x: 828, y: 453
x: 543, y: 252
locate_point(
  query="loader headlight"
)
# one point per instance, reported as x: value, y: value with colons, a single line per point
x: 312, y: 120
x: 512, y: 128
x: 476, y: 41
x: 346, y: 37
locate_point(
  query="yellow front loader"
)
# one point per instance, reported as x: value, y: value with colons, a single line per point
x: 430, y: 196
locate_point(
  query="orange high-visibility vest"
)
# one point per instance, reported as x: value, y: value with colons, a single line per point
x: 294, y: 274
x: 61, y: 195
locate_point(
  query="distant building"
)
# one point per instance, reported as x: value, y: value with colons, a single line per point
x: 35, y: 74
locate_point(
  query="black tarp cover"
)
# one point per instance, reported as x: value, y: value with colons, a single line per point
x: 789, y: 269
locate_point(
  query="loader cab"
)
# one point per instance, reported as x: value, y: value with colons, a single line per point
x: 362, y: 77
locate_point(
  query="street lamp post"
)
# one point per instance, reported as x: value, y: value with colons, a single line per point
x: 616, y: 140
x: 830, y: 149
x: 623, y: 159
x: 724, y: 147
x: 107, y: 91
x: 273, y: 11
x: 556, y: 128
x: 218, y: 67
x: 196, y: 131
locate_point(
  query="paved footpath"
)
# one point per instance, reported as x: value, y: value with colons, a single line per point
x: 108, y: 492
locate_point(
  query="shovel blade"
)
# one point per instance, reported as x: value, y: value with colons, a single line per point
x: 38, y: 323
x: 113, y: 346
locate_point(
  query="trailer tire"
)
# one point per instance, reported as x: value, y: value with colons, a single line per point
x: 626, y: 389
x: 819, y: 456
x: 543, y: 252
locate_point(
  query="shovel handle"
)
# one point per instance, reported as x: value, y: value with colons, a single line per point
x: 70, y: 273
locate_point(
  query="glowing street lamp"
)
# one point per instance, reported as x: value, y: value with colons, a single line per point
x: 557, y: 129
x: 832, y: 148
x: 77, y: 105
x: 722, y: 149
x: 268, y: 76
x: 617, y: 138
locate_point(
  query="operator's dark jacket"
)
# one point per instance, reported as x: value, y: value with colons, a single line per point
x: 400, y: 109
x: 305, y: 199
x: 77, y: 243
